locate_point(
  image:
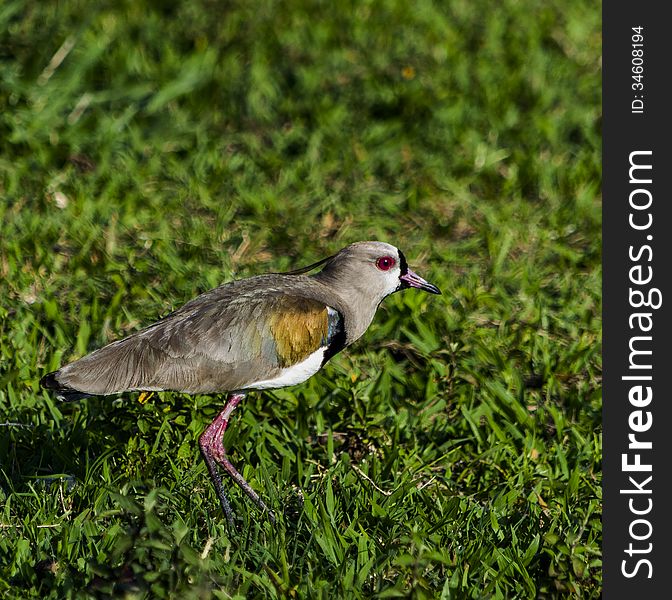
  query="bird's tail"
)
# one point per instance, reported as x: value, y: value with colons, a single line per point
x: 62, y: 392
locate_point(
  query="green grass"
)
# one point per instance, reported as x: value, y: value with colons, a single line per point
x: 150, y: 151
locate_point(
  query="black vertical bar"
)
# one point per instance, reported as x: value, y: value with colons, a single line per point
x: 637, y: 345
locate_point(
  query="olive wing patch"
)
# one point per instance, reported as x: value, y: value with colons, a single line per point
x: 299, y: 328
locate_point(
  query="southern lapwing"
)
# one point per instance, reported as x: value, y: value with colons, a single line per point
x: 263, y: 332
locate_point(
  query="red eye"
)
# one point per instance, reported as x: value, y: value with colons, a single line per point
x: 385, y: 263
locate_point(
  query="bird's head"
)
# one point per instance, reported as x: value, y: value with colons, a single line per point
x: 376, y: 269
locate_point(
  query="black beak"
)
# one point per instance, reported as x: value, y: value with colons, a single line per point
x: 411, y: 279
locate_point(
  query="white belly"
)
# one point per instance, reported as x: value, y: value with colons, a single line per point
x: 297, y: 373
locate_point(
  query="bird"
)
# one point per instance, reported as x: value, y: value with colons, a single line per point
x: 263, y: 332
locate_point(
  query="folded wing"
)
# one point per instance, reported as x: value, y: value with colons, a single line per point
x: 212, y: 344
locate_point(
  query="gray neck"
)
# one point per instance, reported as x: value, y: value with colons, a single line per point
x: 358, y: 304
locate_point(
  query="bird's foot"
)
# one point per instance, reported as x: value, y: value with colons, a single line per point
x: 218, y: 485
x: 212, y: 449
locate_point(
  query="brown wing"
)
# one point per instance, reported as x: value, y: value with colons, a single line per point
x: 209, y: 345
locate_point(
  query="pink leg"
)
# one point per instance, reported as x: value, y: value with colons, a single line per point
x: 212, y: 449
